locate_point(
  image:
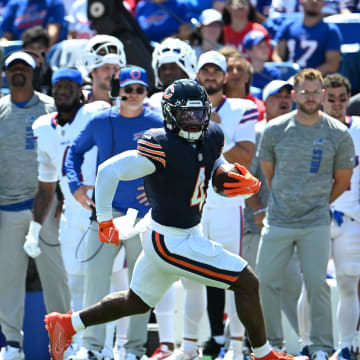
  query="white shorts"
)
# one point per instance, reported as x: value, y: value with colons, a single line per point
x: 74, y: 224
x: 169, y: 254
x: 224, y: 225
x: 346, y: 247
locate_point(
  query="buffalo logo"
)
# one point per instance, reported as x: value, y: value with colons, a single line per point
x: 135, y: 74
x: 169, y: 92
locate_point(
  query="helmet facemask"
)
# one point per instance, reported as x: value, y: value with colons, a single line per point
x: 189, y: 122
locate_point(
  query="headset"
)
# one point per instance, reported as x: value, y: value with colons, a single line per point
x: 115, y: 84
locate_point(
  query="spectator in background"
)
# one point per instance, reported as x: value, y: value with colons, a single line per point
x: 353, y: 107
x: 345, y: 227
x: 310, y: 148
x: 128, y: 121
x: 79, y: 23
x: 277, y: 99
x: 36, y: 42
x: 256, y: 49
x: 172, y: 59
x: 3, y: 6
x: 351, y: 6
x: 162, y: 18
x: 262, y: 9
x: 239, y: 15
x: 240, y: 78
x: 196, y: 7
x: 308, y: 40
x: 331, y: 7
x: 209, y: 34
x: 18, y: 179
x: 22, y: 14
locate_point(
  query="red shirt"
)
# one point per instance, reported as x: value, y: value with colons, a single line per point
x: 236, y: 38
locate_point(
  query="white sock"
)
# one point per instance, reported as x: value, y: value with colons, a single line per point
x: 220, y: 339
x: 236, y: 345
x: 77, y: 322
x: 190, y: 347
x: 262, y: 351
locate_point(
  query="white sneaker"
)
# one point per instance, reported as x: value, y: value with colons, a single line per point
x: 279, y: 349
x: 119, y: 352
x: 70, y: 351
x: 107, y: 353
x: 233, y: 355
x: 320, y: 355
x: 179, y: 354
x: 86, y: 354
x: 11, y: 353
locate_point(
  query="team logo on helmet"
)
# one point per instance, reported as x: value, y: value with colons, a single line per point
x: 169, y: 92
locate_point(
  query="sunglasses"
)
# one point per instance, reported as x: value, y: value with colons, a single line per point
x: 332, y: 100
x: 130, y: 90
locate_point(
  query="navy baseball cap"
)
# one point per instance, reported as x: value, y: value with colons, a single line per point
x: 274, y: 87
x: 133, y: 75
x: 253, y: 38
x: 20, y: 56
x: 67, y: 74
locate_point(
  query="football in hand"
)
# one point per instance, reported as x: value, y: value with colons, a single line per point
x: 220, y: 176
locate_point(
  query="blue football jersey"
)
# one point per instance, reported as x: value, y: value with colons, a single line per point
x: 307, y: 45
x: 177, y: 189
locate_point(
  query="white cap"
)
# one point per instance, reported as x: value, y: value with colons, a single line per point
x: 210, y: 16
x: 20, y: 56
x: 274, y: 87
x: 212, y: 57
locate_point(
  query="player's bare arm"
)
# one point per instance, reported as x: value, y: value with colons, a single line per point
x: 242, y: 153
x: 280, y: 51
x: 341, y: 182
x: 332, y: 62
x: 83, y: 198
x: 259, y: 210
x: 43, y: 199
x: 268, y: 169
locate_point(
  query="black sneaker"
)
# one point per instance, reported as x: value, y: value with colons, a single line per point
x: 212, y: 348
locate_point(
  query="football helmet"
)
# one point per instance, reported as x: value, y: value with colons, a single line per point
x: 173, y: 50
x: 186, y: 109
x: 103, y: 49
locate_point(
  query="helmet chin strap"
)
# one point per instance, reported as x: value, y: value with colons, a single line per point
x: 190, y: 136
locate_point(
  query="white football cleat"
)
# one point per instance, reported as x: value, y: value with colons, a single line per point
x: 11, y: 353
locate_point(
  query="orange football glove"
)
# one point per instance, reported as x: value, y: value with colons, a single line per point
x: 246, y: 184
x: 108, y: 233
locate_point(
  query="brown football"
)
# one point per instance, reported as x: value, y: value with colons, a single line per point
x: 220, y: 176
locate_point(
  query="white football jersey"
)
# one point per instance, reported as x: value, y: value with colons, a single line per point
x: 54, y: 141
x: 349, y: 201
x: 238, y: 119
x: 155, y: 101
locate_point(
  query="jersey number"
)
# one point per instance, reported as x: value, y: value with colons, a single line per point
x: 199, y: 195
x: 309, y: 46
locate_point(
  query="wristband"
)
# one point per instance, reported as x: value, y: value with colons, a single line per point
x: 259, y: 211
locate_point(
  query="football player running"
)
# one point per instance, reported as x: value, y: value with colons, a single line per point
x: 176, y: 163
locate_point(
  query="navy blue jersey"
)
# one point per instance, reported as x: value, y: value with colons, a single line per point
x: 177, y: 189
